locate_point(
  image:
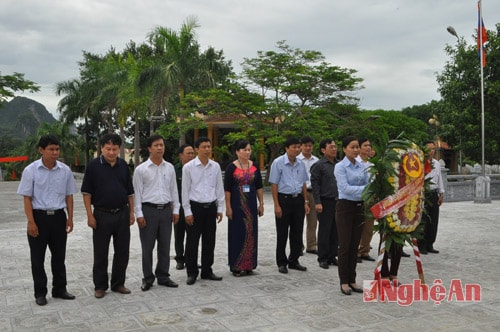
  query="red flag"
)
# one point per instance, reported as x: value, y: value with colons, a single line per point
x: 482, y: 37
x: 13, y: 159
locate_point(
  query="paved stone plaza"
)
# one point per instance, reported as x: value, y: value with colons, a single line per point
x: 468, y: 239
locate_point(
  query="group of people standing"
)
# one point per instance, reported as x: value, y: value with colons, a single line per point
x: 329, y: 191
x: 191, y: 196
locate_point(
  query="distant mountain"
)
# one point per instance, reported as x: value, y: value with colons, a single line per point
x: 22, y: 116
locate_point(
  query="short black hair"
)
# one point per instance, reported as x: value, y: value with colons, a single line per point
x: 47, y: 140
x: 306, y: 139
x: 324, y: 142
x: 111, y: 138
x: 347, y: 140
x: 200, y: 140
x: 240, y: 144
x: 291, y: 141
x: 153, y: 138
x: 182, y: 148
x: 362, y: 140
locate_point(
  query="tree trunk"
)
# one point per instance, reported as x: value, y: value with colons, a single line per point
x: 182, y: 135
x: 275, y: 153
x: 137, y: 143
x: 87, y: 142
x: 122, y: 147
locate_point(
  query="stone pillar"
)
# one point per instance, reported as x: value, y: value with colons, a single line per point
x: 444, y: 176
x: 482, y: 194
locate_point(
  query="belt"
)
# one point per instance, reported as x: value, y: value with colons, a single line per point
x: 286, y: 196
x: 203, y: 205
x: 309, y: 190
x: 107, y: 210
x: 157, y: 206
x: 48, y: 212
x: 357, y: 203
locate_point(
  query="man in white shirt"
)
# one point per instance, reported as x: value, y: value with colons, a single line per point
x: 203, y: 204
x: 306, y: 156
x: 433, y: 201
x: 156, y: 208
x: 365, y: 149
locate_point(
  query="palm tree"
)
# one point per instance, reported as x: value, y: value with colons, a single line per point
x: 180, y: 68
x: 77, y: 104
x: 130, y: 100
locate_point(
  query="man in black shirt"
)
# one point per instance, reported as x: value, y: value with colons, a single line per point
x: 324, y: 188
x: 107, y: 185
x: 186, y: 154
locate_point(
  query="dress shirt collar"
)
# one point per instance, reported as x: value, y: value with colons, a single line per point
x: 149, y: 162
x: 42, y: 165
x: 287, y: 161
x: 197, y: 162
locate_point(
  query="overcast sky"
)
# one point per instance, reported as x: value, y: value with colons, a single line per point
x: 395, y: 45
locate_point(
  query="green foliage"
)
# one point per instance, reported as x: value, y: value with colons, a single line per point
x: 380, y: 187
x: 9, y: 84
x: 460, y: 89
x: 7, y: 145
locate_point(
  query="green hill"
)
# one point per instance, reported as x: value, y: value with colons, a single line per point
x: 22, y: 116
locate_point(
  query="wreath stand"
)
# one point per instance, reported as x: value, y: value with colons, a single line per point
x: 380, y: 258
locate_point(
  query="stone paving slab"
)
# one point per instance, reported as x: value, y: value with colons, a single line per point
x: 468, y: 239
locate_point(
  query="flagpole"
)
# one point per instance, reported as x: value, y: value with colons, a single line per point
x: 482, y: 182
x: 481, y: 50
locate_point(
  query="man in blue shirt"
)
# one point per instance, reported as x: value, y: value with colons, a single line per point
x: 48, y: 187
x: 288, y: 180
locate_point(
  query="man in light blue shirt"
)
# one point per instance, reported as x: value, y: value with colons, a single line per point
x: 288, y: 180
x: 47, y: 186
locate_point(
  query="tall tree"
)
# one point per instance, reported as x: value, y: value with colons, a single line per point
x: 460, y: 89
x: 301, y: 91
x: 133, y: 101
x: 180, y: 68
x: 9, y: 84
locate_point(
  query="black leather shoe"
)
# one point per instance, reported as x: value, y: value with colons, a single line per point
x: 356, y: 289
x: 394, y: 281
x: 168, y: 283
x: 333, y: 262
x: 64, y: 296
x: 345, y: 292
x: 423, y: 251
x: 433, y: 251
x: 179, y: 266
x: 368, y: 258
x: 297, y: 267
x: 145, y: 286
x: 314, y: 252
x: 324, y: 265
x: 404, y: 254
x: 212, y: 276
x: 42, y: 300
x: 283, y: 269
x: 359, y: 260
x: 191, y: 280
